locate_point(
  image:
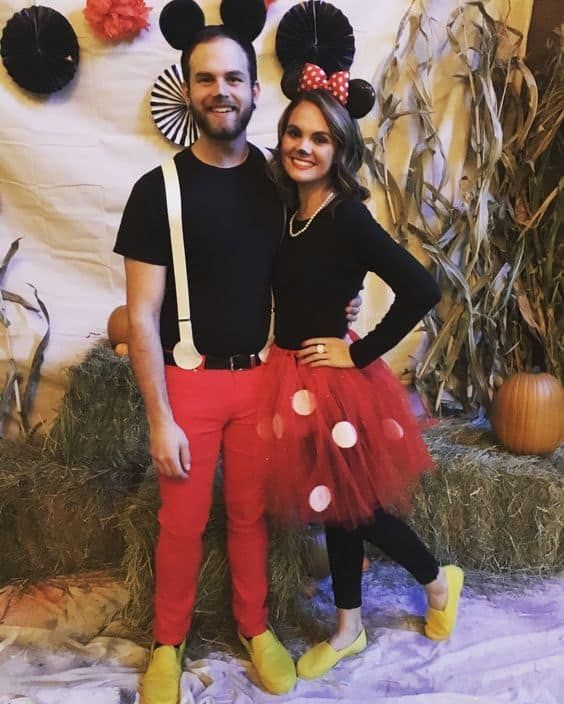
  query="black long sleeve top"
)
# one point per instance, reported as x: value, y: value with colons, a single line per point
x: 317, y: 272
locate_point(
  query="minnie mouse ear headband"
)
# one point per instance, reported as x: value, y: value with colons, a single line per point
x: 181, y: 21
x: 315, y: 46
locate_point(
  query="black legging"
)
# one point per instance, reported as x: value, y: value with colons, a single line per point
x: 389, y: 533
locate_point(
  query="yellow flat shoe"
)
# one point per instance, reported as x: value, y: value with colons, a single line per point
x: 161, y: 682
x: 440, y: 624
x: 273, y: 663
x: 323, y: 657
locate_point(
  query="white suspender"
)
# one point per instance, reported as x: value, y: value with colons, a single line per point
x: 185, y: 353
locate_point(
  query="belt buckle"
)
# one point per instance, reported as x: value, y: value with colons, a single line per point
x: 234, y: 366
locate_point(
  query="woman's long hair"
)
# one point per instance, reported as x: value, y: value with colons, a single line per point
x: 349, y: 150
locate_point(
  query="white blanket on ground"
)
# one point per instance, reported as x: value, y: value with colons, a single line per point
x: 508, y: 648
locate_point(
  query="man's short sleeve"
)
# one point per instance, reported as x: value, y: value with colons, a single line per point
x: 144, y: 232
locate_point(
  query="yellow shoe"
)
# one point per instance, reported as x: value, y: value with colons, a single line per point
x: 273, y: 663
x: 161, y: 682
x: 440, y: 624
x: 323, y: 657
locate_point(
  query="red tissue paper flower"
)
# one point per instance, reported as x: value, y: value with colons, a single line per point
x: 116, y: 19
x: 268, y: 2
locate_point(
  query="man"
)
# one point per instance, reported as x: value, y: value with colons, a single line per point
x: 232, y: 221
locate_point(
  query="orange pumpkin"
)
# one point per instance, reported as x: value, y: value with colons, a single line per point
x: 118, y: 325
x: 527, y: 413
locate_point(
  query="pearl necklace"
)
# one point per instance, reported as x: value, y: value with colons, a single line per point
x: 308, y: 222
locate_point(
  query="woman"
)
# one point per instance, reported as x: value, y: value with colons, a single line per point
x: 340, y: 441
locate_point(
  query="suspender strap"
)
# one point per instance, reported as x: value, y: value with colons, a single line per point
x: 185, y: 353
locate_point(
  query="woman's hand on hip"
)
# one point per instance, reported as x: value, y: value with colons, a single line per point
x: 325, y: 352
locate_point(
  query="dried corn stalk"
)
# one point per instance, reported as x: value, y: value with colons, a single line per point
x: 11, y: 392
x: 494, y: 243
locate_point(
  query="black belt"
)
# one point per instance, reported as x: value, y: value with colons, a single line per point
x: 237, y: 362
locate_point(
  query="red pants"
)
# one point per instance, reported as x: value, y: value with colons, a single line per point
x: 216, y: 410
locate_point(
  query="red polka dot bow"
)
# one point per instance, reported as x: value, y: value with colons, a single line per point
x: 314, y: 77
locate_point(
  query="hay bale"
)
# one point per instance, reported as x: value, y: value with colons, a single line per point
x: 56, y: 518
x: 59, y: 503
x: 102, y: 420
x: 138, y: 524
x: 213, y: 620
x: 485, y: 508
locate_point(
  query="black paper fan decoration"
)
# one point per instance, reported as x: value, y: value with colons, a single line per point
x: 170, y: 110
x: 315, y: 32
x: 39, y: 49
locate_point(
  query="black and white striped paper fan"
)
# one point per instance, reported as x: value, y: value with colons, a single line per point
x: 170, y: 110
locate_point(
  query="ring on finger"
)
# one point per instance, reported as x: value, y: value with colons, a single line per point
x: 320, y: 348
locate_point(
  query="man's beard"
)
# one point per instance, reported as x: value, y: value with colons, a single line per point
x: 223, y: 133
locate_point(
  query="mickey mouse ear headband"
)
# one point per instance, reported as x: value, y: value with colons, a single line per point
x: 315, y: 46
x: 182, y: 20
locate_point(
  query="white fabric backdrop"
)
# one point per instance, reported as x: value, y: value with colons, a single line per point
x: 68, y: 161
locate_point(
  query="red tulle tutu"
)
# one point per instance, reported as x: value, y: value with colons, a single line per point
x: 336, y: 443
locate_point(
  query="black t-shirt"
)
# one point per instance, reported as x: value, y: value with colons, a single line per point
x: 232, y: 221
x: 318, y: 272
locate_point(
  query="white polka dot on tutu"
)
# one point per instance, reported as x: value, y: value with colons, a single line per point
x: 303, y: 402
x: 264, y: 429
x: 278, y: 426
x: 344, y: 434
x: 319, y: 498
x: 392, y: 429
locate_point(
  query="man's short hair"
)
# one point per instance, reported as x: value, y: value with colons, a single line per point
x: 208, y: 34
